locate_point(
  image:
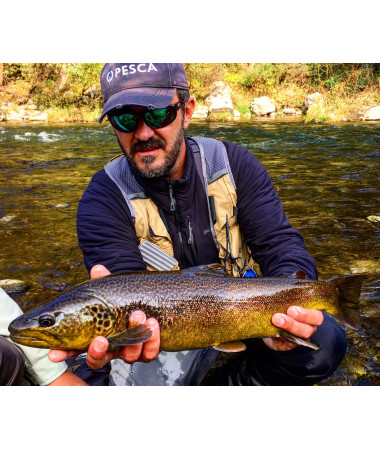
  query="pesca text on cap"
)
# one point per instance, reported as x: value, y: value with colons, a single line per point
x: 129, y: 69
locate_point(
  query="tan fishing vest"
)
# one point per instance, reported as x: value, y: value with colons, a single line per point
x: 213, y: 165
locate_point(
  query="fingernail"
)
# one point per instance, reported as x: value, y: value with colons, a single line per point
x: 138, y: 317
x: 293, y: 311
x: 280, y: 321
x: 100, y: 346
x: 52, y: 356
x: 153, y: 324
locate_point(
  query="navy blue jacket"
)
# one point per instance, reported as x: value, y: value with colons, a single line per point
x: 106, y: 231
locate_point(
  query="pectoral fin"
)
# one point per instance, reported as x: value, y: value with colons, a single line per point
x: 231, y: 347
x: 297, y: 340
x: 137, y: 333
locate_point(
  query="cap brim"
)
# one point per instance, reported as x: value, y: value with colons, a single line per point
x: 154, y: 97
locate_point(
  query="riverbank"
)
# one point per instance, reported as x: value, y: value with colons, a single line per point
x: 318, y: 93
x: 11, y: 113
x: 218, y: 107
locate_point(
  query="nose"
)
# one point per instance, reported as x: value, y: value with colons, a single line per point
x: 143, y: 132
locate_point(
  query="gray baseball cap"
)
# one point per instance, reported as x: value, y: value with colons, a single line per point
x: 151, y: 85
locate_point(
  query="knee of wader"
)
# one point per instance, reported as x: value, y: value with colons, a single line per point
x: 12, y: 364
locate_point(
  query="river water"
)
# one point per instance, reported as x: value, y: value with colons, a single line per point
x: 327, y: 177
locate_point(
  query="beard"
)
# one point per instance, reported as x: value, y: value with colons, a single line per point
x: 171, y: 156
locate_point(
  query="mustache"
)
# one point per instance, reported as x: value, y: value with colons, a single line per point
x: 151, y: 142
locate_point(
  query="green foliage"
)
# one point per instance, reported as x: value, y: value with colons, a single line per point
x: 316, y: 113
x: 222, y: 116
x: 345, y: 79
x: 86, y: 75
x: 243, y: 109
x: 55, y: 84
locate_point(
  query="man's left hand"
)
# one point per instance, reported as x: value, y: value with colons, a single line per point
x: 298, y: 321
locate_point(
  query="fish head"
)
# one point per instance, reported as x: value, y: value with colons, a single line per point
x: 70, y: 321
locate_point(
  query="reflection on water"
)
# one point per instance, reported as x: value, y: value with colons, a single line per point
x: 327, y: 177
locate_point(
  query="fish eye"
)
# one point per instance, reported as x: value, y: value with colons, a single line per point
x: 46, y: 320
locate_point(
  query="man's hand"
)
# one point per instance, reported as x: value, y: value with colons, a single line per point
x: 97, y: 354
x: 298, y: 321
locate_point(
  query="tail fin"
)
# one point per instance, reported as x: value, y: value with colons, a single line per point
x: 349, y: 292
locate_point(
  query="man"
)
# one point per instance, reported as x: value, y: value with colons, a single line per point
x: 198, y: 202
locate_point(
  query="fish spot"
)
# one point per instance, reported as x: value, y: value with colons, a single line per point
x: 101, y: 322
x: 94, y: 309
x: 107, y: 323
x: 100, y: 315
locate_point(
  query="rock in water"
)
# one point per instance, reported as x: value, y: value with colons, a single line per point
x: 14, y: 286
x: 374, y: 219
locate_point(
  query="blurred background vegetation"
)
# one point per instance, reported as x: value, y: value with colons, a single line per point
x: 71, y: 91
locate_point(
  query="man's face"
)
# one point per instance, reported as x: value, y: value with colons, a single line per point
x: 158, y: 152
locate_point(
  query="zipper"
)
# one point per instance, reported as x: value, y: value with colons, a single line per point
x: 191, y: 241
x: 173, y: 203
x: 173, y: 208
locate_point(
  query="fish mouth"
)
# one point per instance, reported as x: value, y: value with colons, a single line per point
x: 34, y: 341
x: 24, y: 340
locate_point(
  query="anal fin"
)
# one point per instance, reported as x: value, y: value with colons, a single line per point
x: 231, y: 347
x: 297, y: 340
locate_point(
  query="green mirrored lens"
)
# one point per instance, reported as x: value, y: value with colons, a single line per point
x: 127, y: 122
x: 156, y: 118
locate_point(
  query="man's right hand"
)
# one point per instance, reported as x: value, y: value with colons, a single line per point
x: 97, y: 354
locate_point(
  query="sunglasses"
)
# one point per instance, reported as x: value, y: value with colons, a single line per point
x: 127, y: 120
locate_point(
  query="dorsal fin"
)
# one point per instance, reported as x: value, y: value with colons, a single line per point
x: 215, y: 270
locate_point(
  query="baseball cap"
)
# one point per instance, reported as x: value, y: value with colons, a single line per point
x: 151, y: 85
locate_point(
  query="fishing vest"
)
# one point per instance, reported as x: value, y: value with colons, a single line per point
x: 214, y: 169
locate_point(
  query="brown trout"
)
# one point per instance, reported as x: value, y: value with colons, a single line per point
x: 196, y: 308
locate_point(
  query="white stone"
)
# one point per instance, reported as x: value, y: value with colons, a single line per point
x: 372, y: 113
x: 262, y: 106
x: 13, y: 115
x: 201, y: 112
x: 41, y: 117
x: 219, y: 98
x: 289, y: 111
x: 310, y: 100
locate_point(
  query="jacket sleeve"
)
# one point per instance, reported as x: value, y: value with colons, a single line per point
x: 106, y: 232
x: 37, y: 363
x: 277, y: 247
